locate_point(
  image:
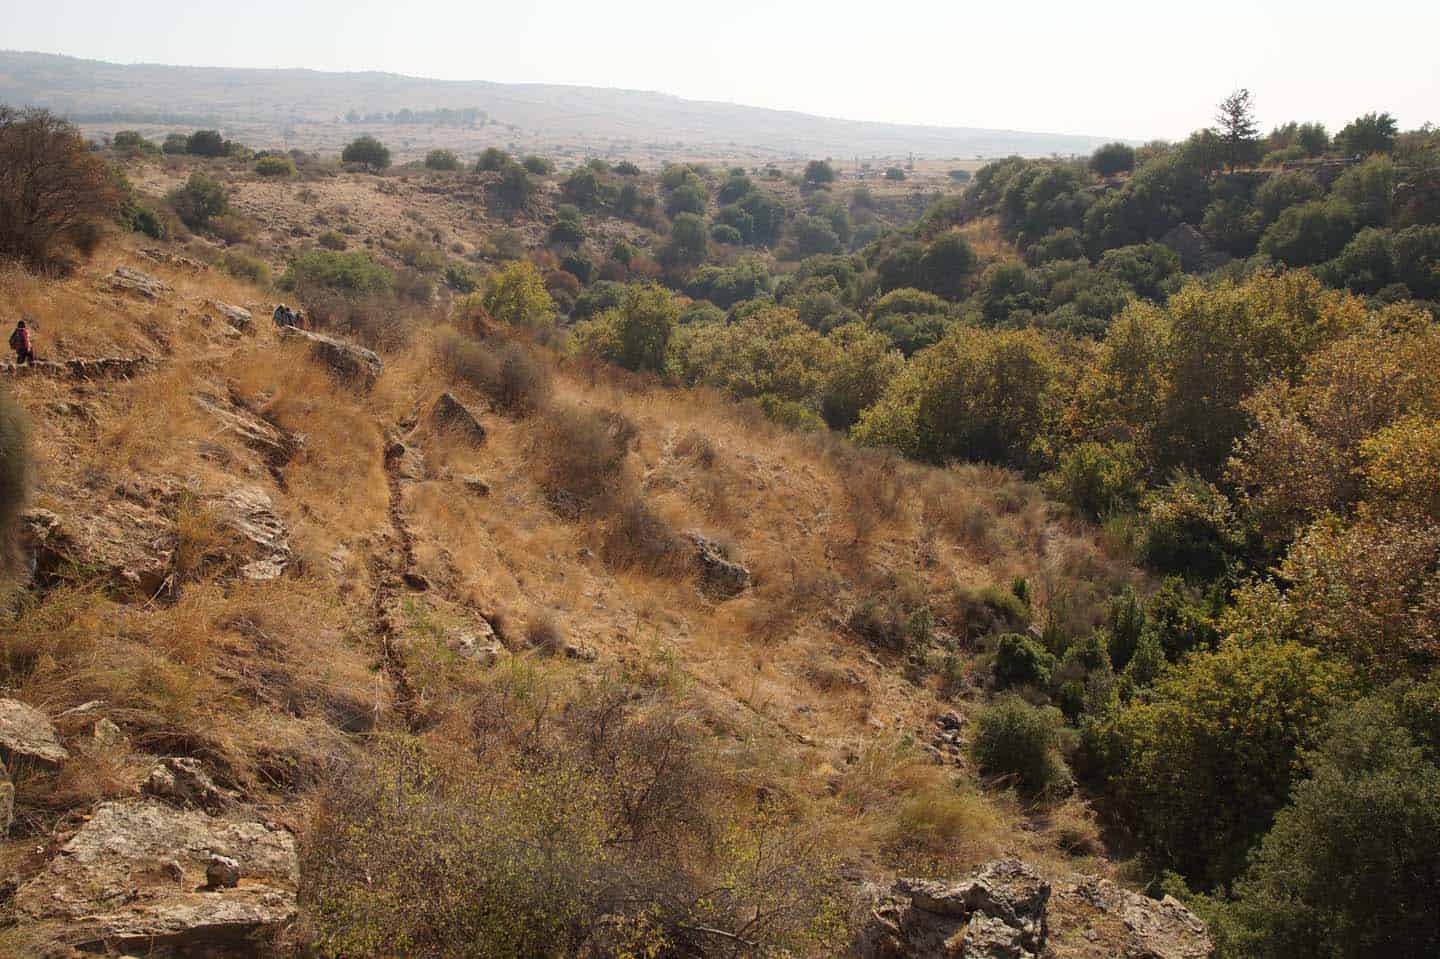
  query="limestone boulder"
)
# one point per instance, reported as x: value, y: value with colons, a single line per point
x: 27, y: 734
x: 138, y: 876
x: 249, y: 512
x: 350, y: 362
x: 131, y: 544
x: 720, y: 576
x: 127, y: 279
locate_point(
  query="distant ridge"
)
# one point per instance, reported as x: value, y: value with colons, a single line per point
x: 96, y: 92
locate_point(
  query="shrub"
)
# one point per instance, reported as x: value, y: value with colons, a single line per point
x: 1189, y: 529
x: 199, y: 201
x: 206, y: 143
x: 331, y: 240
x: 638, y: 538
x: 275, y: 166
x: 147, y: 221
x: 724, y: 233
x: 1097, y: 479
x: 444, y: 160
x: 1022, y: 662
x: 512, y: 376
x: 368, y: 152
x: 1284, y: 190
x: 582, y: 453
x: 517, y: 296
x: 1181, y: 783
x: 1309, y: 233
x: 819, y: 172
x: 1018, y: 741
x: 894, y: 173
x: 351, y: 274
x: 636, y: 335
x: 492, y: 160
x: 52, y: 189
x: 246, y: 266
x: 538, y: 165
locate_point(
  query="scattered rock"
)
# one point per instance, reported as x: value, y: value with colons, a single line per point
x: 450, y: 415
x: 222, y: 872
x: 352, y: 363
x: 998, y: 913
x: 100, y: 368
x: 237, y: 316
x: 719, y: 575
x: 1150, y: 928
x: 584, y: 654
x: 26, y: 733
x: 127, y: 279
x: 479, y: 644
x: 106, y: 736
x: 415, y: 581
x: 174, y: 259
x: 182, y: 781
x: 407, y: 461
x: 250, y: 513
x: 476, y: 484
x: 112, y: 886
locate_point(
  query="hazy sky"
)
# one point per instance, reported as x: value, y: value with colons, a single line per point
x: 1124, y: 68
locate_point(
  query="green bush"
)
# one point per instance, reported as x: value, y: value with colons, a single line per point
x: 199, y: 201
x: 1113, y: 158
x: 1352, y: 865
x: 538, y: 165
x: 726, y: 234
x: 515, y: 379
x: 492, y: 160
x: 147, y: 221
x: 332, y: 240
x: 819, y: 172
x: 1309, y: 233
x: 246, y: 266
x: 206, y: 143
x: 275, y: 166
x: 1198, y: 768
x: 1016, y: 740
x: 1097, y: 479
x: 444, y: 160
x: 1189, y: 530
x: 636, y: 335
x: 352, y: 274
x: 1020, y: 661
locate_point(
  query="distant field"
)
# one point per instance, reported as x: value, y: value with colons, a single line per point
x: 309, y: 110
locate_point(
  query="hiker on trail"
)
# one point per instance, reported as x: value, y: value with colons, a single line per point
x: 284, y: 316
x: 21, y: 343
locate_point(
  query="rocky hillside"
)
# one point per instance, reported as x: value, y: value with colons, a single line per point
x: 288, y: 607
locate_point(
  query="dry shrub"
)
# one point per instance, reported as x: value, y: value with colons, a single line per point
x: 204, y: 544
x: 948, y: 505
x: 940, y: 820
x: 514, y: 377
x: 873, y: 486
x: 378, y: 322
x: 602, y: 828
x: 542, y: 633
x: 696, y: 447
x: 638, y: 538
x: 582, y: 452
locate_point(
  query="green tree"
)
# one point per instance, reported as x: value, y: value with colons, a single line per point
x: 1238, y: 129
x: 205, y: 143
x: 864, y: 362
x: 1284, y: 190
x: 368, y: 152
x: 1371, y: 133
x: 1113, y: 158
x: 1198, y: 769
x: 492, y: 160
x: 351, y: 274
x: 275, y: 166
x: 819, y: 173
x: 539, y: 166
x: 1352, y: 866
x: 1309, y: 233
x: 689, y: 241
x: 636, y: 334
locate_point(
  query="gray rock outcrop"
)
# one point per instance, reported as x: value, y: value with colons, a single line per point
x: 136, y: 875
x: 352, y: 363
x: 452, y: 416
x: 719, y: 575
x: 127, y: 279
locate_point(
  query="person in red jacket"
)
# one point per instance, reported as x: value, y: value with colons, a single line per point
x: 20, y: 342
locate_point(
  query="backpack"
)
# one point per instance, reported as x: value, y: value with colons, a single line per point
x: 17, y: 339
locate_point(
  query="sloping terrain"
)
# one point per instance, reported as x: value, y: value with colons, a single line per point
x: 255, y: 560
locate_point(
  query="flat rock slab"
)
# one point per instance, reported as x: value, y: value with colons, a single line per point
x: 274, y: 444
x: 131, y: 544
x: 450, y: 415
x: 26, y: 732
x: 127, y: 279
x: 352, y: 363
x: 250, y: 513
x: 134, y: 876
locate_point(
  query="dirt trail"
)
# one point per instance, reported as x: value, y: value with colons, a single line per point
x: 393, y: 576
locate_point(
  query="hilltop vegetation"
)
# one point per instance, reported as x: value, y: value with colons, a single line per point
x: 1130, y: 460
